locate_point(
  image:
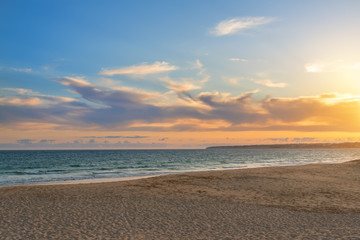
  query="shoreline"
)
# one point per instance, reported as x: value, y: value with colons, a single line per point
x: 277, y: 172
x: 303, y: 201
x: 134, y: 178
x: 92, y: 181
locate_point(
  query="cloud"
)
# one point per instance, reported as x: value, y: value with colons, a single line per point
x: 24, y: 97
x: 281, y: 140
x: 233, y: 81
x: 331, y: 66
x: 314, y: 67
x: 313, y: 113
x: 182, y: 89
x: 304, y: 140
x: 293, y: 140
x: 78, y: 81
x: 115, y: 137
x: 25, y: 70
x: 119, y: 96
x: 184, y: 86
x: 48, y: 141
x: 269, y: 83
x: 198, y: 64
x: 122, y: 106
x: 143, y: 69
x: 355, y: 66
x: 133, y: 137
x: 76, y: 144
x: 25, y: 141
x: 99, y: 108
x: 235, y: 110
x: 30, y: 101
x: 19, y: 90
x: 238, y: 60
x: 25, y: 106
x: 234, y: 25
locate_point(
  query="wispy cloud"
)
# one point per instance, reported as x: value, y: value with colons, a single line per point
x: 234, y: 25
x: 314, y: 67
x: 331, y: 66
x: 238, y: 60
x: 29, y: 101
x: 28, y: 97
x: 269, y: 83
x: 25, y: 141
x: 26, y: 70
x: 143, y: 69
x: 198, y: 64
x: 25, y: 97
x: 233, y: 81
x: 115, y: 137
x: 79, y: 81
x: 19, y: 90
x: 79, y: 144
x: 355, y: 65
x: 49, y: 141
x: 293, y: 140
x: 181, y: 87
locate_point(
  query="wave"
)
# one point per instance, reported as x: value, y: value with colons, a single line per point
x: 19, y: 167
x: 36, y: 172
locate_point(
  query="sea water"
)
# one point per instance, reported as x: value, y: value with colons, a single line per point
x: 43, y: 166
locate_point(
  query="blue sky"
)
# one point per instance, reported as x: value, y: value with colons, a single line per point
x: 176, y: 56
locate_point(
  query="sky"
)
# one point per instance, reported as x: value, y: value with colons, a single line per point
x: 178, y: 74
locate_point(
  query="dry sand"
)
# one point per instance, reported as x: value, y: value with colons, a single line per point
x: 299, y: 202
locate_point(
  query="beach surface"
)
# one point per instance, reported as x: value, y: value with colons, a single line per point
x: 296, y: 202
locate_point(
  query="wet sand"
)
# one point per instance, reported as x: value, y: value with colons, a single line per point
x: 298, y: 202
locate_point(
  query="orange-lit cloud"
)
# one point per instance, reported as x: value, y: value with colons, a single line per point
x: 74, y: 81
x: 127, y: 109
x: 19, y: 90
x: 143, y: 69
x: 26, y: 97
x: 315, y: 113
x: 269, y: 83
x: 30, y: 101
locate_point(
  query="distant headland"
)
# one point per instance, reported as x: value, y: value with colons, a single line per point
x: 292, y: 146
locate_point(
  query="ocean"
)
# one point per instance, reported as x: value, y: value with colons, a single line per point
x: 51, y: 166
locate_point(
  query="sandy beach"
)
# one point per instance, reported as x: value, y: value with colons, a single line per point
x: 297, y: 202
